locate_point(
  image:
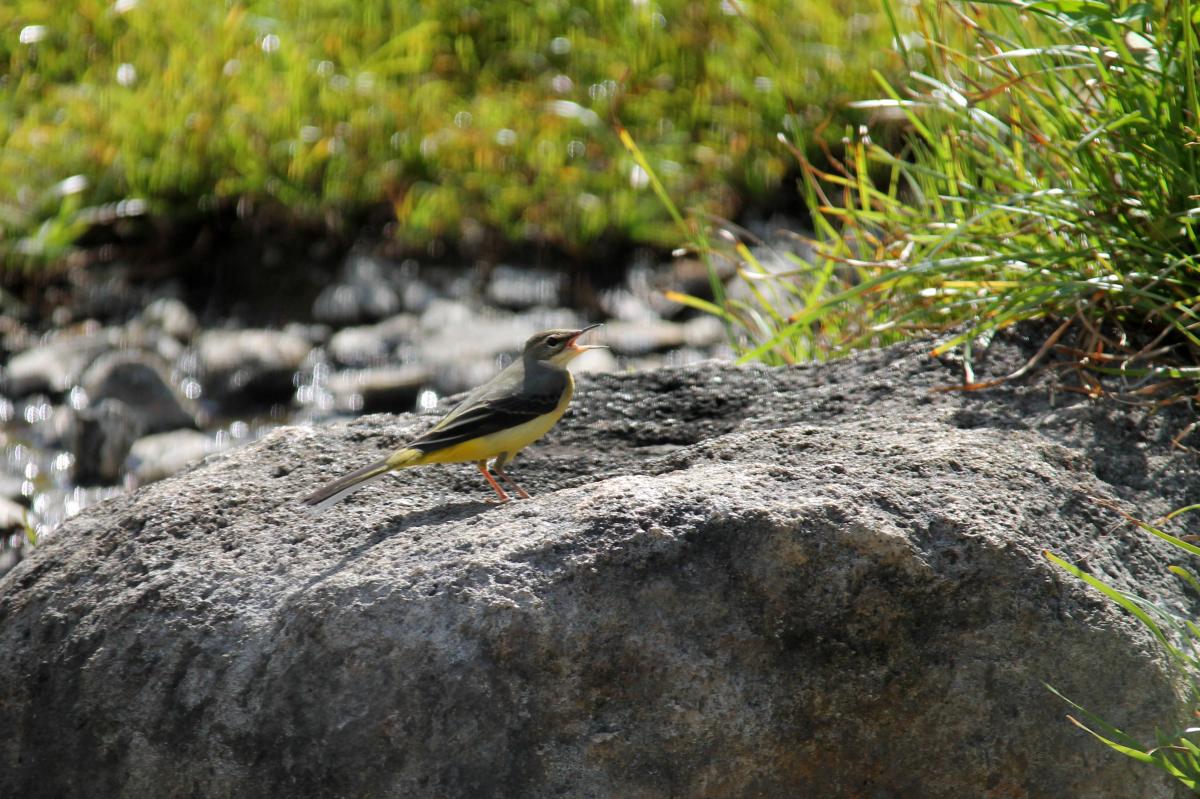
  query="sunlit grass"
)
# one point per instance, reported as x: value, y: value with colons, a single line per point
x: 1051, y: 170
x: 490, y: 120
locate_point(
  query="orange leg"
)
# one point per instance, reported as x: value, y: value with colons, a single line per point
x: 491, y: 481
x: 498, y: 468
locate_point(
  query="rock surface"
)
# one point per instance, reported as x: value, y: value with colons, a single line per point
x: 731, y: 581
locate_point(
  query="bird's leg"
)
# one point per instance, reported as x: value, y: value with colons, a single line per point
x: 498, y: 468
x: 491, y: 481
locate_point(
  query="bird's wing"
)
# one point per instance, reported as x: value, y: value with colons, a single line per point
x: 491, y: 414
x: 503, y: 384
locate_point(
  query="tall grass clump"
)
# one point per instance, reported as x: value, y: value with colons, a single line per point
x: 1051, y: 169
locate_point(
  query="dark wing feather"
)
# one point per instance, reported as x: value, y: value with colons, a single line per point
x: 490, y: 416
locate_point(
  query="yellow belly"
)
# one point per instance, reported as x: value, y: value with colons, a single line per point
x: 511, y: 440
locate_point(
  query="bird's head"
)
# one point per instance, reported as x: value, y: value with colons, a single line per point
x: 558, y: 347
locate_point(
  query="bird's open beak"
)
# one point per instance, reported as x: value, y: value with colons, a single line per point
x: 577, y: 347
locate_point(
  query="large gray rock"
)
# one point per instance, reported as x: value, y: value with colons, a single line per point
x: 730, y: 582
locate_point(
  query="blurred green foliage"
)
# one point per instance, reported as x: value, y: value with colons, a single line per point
x: 489, y: 119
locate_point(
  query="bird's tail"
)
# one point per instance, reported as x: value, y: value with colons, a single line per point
x: 326, y: 496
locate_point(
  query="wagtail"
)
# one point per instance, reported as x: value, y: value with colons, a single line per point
x: 495, y: 422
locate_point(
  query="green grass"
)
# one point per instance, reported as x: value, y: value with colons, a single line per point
x: 493, y: 120
x: 1051, y: 170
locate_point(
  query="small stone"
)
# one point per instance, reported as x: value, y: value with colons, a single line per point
x: 596, y: 362
x: 10, y: 486
x: 523, y: 288
x: 372, y: 344
x: 644, y: 336
x: 12, y: 516
x: 315, y: 334
x: 704, y: 332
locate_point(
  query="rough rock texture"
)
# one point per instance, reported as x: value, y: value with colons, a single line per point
x: 819, y: 582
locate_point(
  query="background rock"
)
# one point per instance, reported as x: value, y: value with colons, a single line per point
x: 464, y: 346
x: 12, y: 516
x: 383, y: 388
x: 54, y: 366
x: 523, y: 287
x: 140, y: 381
x: 171, y: 316
x: 241, y: 366
x: 100, y: 439
x: 163, y: 454
x: 364, y: 294
x: 10, y: 486
x: 731, y: 582
x: 369, y: 345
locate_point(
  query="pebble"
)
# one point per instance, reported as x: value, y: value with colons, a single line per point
x: 172, y: 317
x: 12, y: 516
x: 523, y: 288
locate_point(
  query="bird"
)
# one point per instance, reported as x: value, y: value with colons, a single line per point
x: 495, y: 421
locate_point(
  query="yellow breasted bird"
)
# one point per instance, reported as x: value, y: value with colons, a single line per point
x: 497, y: 420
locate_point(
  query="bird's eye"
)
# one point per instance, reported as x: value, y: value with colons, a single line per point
x: 554, y: 341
